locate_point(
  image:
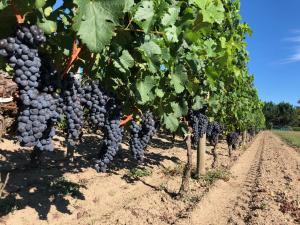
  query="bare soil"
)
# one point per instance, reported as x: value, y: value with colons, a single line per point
x: 264, y: 187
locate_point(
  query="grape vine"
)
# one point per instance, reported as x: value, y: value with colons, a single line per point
x: 150, y: 55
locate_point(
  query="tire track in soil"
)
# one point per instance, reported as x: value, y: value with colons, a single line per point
x: 267, y: 192
x: 217, y: 206
x: 246, y: 204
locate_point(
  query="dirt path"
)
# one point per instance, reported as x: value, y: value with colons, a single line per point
x: 112, y: 198
x: 265, y: 188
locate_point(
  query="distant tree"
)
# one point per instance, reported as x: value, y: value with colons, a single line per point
x: 269, y: 111
x: 280, y: 115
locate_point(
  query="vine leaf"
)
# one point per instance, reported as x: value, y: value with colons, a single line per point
x: 95, y: 21
x: 179, y: 79
x: 128, y: 5
x: 170, y: 121
x: 212, y: 11
x: 48, y: 26
x: 144, y: 15
x: 171, y: 33
x: 125, y: 62
x: 151, y: 52
x: 159, y: 92
x: 198, y: 103
x: 209, y: 46
x: 3, y: 4
x: 40, y: 3
x: 144, y: 88
x: 179, y: 109
x: 170, y: 17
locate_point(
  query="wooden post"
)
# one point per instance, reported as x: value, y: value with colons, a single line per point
x: 215, y: 156
x: 185, y: 185
x: 201, y: 155
x: 229, y: 150
x: 244, y: 137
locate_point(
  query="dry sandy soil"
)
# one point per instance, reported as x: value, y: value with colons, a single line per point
x: 263, y: 188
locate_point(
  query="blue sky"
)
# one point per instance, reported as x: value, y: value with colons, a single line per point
x: 274, y: 47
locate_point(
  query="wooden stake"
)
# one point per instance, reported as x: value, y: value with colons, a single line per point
x: 201, y: 155
x: 185, y: 185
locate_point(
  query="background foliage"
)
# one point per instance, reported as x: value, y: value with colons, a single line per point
x: 281, y: 115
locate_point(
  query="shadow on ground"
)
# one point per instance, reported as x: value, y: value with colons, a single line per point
x: 43, y: 187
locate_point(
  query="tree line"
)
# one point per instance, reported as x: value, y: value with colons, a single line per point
x: 281, y: 115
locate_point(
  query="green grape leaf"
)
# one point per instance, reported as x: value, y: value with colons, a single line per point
x: 170, y: 121
x: 128, y: 5
x: 144, y: 15
x: 159, y: 92
x: 95, y: 21
x: 40, y: 3
x: 170, y: 17
x: 3, y: 4
x: 223, y: 42
x: 212, y: 11
x: 179, y: 109
x: 125, y: 62
x: 198, y: 103
x: 48, y: 26
x: 179, y: 79
x: 151, y: 53
x: 144, y: 88
x: 171, y: 33
x: 48, y: 11
x: 209, y: 47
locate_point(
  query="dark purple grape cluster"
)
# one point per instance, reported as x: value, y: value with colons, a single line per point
x: 70, y: 103
x: 141, y: 135
x: 135, y: 144
x: 95, y: 99
x: 213, y: 132
x: 50, y: 80
x: 38, y: 109
x: 25, y: 62
x: 199, y: 123
x: 233, y: 140
x: 31, y: 35
x: 37, y: 113
x: 113, y: 135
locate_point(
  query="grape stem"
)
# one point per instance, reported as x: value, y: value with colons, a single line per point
x: 19, y: 17
x: 130, y: 117
x: 75, y: 52
x: 126, y: 120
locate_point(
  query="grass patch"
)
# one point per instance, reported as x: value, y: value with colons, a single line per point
x: 176, y: 170
x: 62, y: 187
x: 139, y: 172
x: 213, y: 175
x: 292, y: 138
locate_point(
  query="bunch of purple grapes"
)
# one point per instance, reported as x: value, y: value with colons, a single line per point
x: 38, y: 109
x: 233, y: 140
x: 113, y: 135
x: 70, y: 104
x: 214, y: 130
x: 141, y: 135
x: 199, y: 123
